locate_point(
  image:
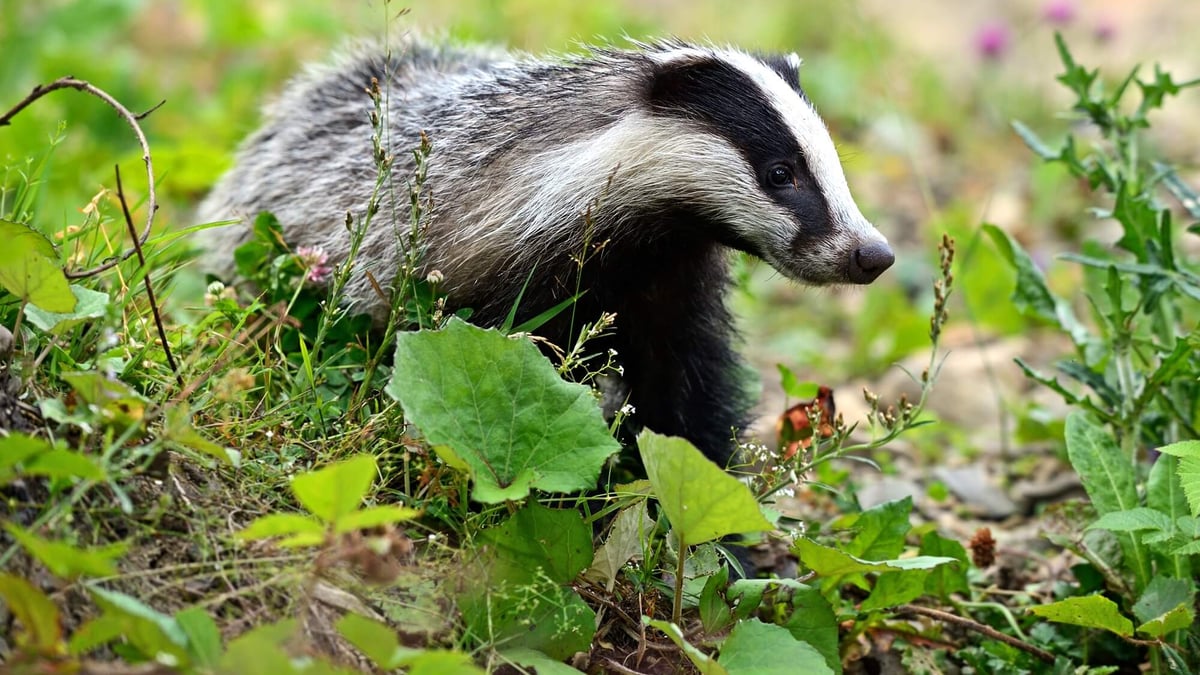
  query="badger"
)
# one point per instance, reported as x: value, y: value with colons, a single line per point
x: 660, y: 157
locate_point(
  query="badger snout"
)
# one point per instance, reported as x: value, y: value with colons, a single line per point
x: 870, y: 260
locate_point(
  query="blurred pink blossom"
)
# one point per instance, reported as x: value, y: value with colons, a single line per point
x: 992, y: 40
x: 1059, y: 12
x: 1105, y: 30
x: 315, y: 260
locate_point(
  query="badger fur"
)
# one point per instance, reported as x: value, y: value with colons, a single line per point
x: 663, y: 157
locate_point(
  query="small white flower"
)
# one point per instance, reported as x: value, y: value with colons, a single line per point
x: 628, y: 409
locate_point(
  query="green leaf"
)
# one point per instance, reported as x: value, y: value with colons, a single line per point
x: 203, y: 636
x: 1033, y: 141
x: 503, y: 409
x: 712, y: 605
x: 1032, y: 297
x: 813, y: 621
x: 336, y: 490
x: 26, y: 455
x: 896, y: 588
x: 705, y: 664
x: 285, y: 525
x: 881, y: 530
x: 374, y: 517
x: 149, y: 631
x: 1188, y: 453
x: 793, y: 387
x: 945, y: 579
x: 555, y: 541
x: 1092, y: 611
x: 540, y: 615
x: 763, y: 648
x: 1165, y: 606
x: 40, y: 630
x: 28, y: 269
x: 1108, y: 479
x: 627, y: 540
x: 702, y: 502
x: 378, y: 642
x: 440, y: 662
x: 538, y: 662
x: 827, y: 561
x: 66, y: 561
x: 1133, y: 520
x: 88, y: 304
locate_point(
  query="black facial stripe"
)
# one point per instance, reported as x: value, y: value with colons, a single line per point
x: 726, y: 101
x: 786, y: 69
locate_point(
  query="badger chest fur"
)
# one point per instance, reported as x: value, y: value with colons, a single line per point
x: 668, y: 155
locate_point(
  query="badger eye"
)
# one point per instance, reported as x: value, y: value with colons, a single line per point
x: 780, y: 176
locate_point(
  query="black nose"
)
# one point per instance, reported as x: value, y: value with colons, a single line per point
x: 869, y: 261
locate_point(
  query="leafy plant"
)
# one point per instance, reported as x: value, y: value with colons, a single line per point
x: 1134, y: 378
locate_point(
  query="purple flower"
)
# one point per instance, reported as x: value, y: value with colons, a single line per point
x: 1105, y: 30
x: 991, y: 41
x: 1059, y: 12
x: 315, y: 261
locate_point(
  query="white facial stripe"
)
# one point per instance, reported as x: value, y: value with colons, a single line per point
x: 814, y: 140
x: 638, y: 161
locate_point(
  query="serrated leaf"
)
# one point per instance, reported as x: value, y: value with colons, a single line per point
x: 203, y: 636
x: 28, y: 269
x: 1032, y: 297
x: 283, y: 524
x: 1161, y: 600
x: 945, y: 579
x: 626, y: 541
x: 503, y: 409
x: 374, y: 517
x: 66, y: 561
x: 880, y: 530
x: 896, y: 588
x: 88, y: 304
x: 1188, y: 453
x: 1092, y: 611
x: 540, y: 615
x: 705, y: 664
x: 1179, y: 618
x: 702, y: 502
x: 758, y: 648
x: 555, y: 541
x: 336, y: 490
x: 40, y: 629
x: 827, y: 561
x: 1133, y: 520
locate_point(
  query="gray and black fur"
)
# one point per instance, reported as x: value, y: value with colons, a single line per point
x: 676, y: 152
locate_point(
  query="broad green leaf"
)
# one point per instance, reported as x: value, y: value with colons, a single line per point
x: 712, y: 605
x: 89, y: 304
x: 29, y: 271
x: 375, y: 516
x: 285, y: 525
x: 1092, y: 611
x: 705, y: 664
x: 260, y: 651
x: 66, y: 561
x: 831, y: 562
x: 1188, y: 453
x: 627, y: 539
x: 117, y: 402
x: 38, y: 457
x: 881, y: 530
x: 1165, y: 606
x: 945, y: 579
x: 897, y: 588
x: 1133, y: 520
x: 378, y: 642
x: 503, y: 409
x: 539, y: 662
x: 813, y: 621
x: 748, y: 593
x: 758, y: 648
x: 336, y: 490
x: 203, y: 636
x: 180, y: 430
x: 702, y: 502
x: 440, y: 662
x: 1107, y: 476
x: 555, y: 541
x: 149, y: 631
x: 40, y: 629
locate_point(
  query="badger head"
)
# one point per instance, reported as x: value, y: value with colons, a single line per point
x: 760, y: 167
